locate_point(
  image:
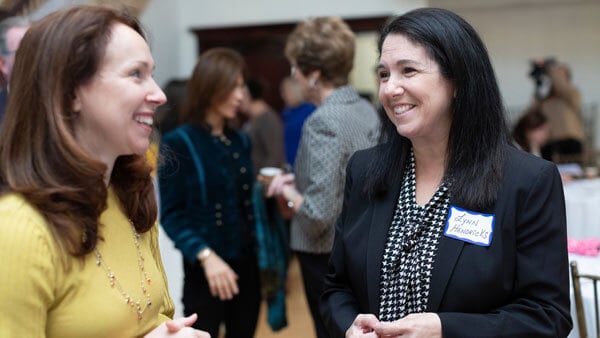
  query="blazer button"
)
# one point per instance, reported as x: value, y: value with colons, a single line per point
x: 245, y: 187
x: 246, y: 202
x: 219, y: 222
x: 250, y: 217
x: 218, y: 215
x: 218, y: 206
x: 243, y: 170
x: 236, y: 155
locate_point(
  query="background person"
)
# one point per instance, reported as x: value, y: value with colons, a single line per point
x: 12, y: 30
x: 562, y: 107
x: 446, y: 205
x: 205, y: 194
x: 321, y: 52
x: 77, y: 208
x: 264, y: 127
x: 531, y: 132
x: 169, y: 114
x: 297, y: 110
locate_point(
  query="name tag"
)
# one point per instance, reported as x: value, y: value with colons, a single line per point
x: 469, y: 226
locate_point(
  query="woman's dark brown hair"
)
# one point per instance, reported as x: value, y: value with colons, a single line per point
x: 39, y: 155
x: 214, y: 78
x: 531, y: 120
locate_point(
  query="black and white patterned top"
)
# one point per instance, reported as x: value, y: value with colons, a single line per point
x: 412, y: 244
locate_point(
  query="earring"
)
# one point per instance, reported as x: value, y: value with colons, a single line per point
x: 312, y: 83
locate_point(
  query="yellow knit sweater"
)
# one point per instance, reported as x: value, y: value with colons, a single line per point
x: 39, y: 298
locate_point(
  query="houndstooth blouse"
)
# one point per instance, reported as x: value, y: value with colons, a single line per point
x: 412, y: 243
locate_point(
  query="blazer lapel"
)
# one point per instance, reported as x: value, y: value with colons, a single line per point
x: 383, y: 212
x: 447, y: 256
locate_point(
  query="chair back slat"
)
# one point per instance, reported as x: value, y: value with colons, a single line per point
x: 577, y: 295
x: 596, y: 306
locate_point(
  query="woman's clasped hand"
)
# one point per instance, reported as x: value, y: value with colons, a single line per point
x: 413, y: 325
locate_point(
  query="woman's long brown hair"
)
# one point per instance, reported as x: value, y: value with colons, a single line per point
x: 39, y: 155
x: 214, y: 77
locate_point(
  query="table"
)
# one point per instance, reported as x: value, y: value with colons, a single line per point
x: 582, y: 202
x: 590, y: 265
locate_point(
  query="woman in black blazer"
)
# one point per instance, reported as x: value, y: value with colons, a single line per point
x: 446, y: 229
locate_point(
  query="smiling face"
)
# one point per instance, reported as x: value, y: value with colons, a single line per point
x: 416, y: 97
x: 116, y: 106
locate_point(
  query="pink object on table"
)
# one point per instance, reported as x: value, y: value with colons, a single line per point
x: 585, y: 247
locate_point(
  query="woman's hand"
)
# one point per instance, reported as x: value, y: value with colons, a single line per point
x: 278, y: 183
x: 283, y: 185
x: 222, y: 280
x: 180, y: 327
x: 363, y: 327
x: 416, y: 325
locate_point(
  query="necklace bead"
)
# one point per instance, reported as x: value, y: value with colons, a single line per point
x: 144, y: 278
x: 223, y: 138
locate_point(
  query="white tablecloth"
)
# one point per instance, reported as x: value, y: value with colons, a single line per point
x: 590, y: 265
x: 582, y: 201
x: 173, y: 263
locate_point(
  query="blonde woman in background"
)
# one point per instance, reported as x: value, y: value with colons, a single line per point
x: 321, y: 53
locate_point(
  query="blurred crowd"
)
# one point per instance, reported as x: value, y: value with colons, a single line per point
x: 552, y: 127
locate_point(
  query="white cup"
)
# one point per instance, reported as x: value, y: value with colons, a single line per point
x: 269, y: 171
x: 267, y: 174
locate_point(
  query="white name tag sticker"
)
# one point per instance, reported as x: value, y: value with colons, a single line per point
x: 471, y: 227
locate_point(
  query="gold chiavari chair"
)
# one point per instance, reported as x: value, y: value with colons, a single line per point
x: 577, y: 293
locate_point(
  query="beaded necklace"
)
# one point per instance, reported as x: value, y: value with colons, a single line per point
x: 145, y: 280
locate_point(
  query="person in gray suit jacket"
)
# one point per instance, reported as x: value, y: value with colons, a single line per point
x: 446, y: 229
x: 321, y: 52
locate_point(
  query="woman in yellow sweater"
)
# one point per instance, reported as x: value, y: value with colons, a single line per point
x: 79, y: 254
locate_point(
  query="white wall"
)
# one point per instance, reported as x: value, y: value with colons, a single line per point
x: 366, y: 58
x: 165, y: 31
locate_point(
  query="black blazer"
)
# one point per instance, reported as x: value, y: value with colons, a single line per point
x: 516, y: 287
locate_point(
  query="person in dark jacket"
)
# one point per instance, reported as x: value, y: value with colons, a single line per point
x: 446, y: 229
x: 206, y: 199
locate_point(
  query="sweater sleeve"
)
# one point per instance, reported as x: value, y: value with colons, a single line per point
x: 323, y: 158
x: 27, y: 268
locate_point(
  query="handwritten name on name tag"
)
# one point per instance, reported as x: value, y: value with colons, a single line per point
x: 469, y: 226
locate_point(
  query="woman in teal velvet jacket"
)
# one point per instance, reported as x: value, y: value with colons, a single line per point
x: 205, y: 198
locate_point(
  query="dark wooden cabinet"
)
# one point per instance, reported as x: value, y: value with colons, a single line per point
x: 263, y: 49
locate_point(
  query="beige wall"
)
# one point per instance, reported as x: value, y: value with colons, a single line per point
x: 365, y: 60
